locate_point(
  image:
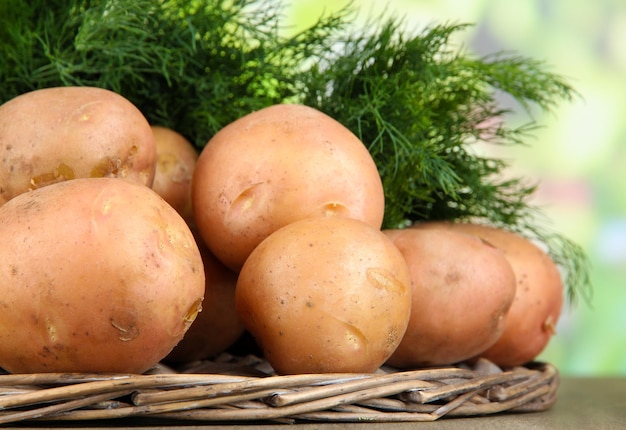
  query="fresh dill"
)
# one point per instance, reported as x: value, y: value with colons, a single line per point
x: 421, y: 108
x: 419, y: 105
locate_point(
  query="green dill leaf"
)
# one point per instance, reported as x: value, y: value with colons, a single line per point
x: 418, y: 105
x: 192, y: 65
x: 421, y: 108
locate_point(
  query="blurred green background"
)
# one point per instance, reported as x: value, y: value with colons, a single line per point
x: 579, y: 154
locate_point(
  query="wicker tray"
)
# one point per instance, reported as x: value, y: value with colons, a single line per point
x: 244, y: 389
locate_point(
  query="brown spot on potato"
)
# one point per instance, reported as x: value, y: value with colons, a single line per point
x: 245, y: 200
x: 549, y: 325
x: 127, y: 332
x: 47, y: 352
x: 178, y: 173
x: 393, y: 337
x: 51, y: 330
x: 334, y: 209
x: 354, y: 336
x: 108, y: 167
x: 452, y: 278
x: 62, y: 172
x: 192, y: 312
x: 383, y: 278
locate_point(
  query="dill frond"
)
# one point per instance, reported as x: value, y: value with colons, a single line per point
x: 421, y: 108
x: 417, y: 104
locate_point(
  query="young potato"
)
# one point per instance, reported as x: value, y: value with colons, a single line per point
x: 461, y: 288
x: 533, y: 316
x: 55, y: 134
x: 176, y: 161
x: 325, y: 294
x: 97, y: 275
x: 218, y: 326
x: 275, y: 166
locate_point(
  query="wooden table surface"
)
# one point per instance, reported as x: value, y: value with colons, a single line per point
x: 583, y: 403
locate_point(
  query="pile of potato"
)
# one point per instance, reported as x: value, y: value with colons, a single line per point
x: 122, y: 247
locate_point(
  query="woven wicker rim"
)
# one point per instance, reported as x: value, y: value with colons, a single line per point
x: 384, y: 396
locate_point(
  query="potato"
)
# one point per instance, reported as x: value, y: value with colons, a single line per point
x: 275, y: 166
x: 533, y: 316
x: 325, y: 294
x: 461, y: 288
x: 55, y: 134
x: 176, y: 161
x: 97, y: 275
x: 218, y: 326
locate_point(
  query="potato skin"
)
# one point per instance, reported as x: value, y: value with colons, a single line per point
x: 218, y: 326
x: 462, y: 290
x: 538, y: 300
x: 275, y: 166
x: 176, y: 161
x: 55, y: 134
x: 325, y: 294
x: 98, y: 275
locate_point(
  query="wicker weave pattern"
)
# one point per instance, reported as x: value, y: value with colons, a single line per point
x: 237, y: 396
